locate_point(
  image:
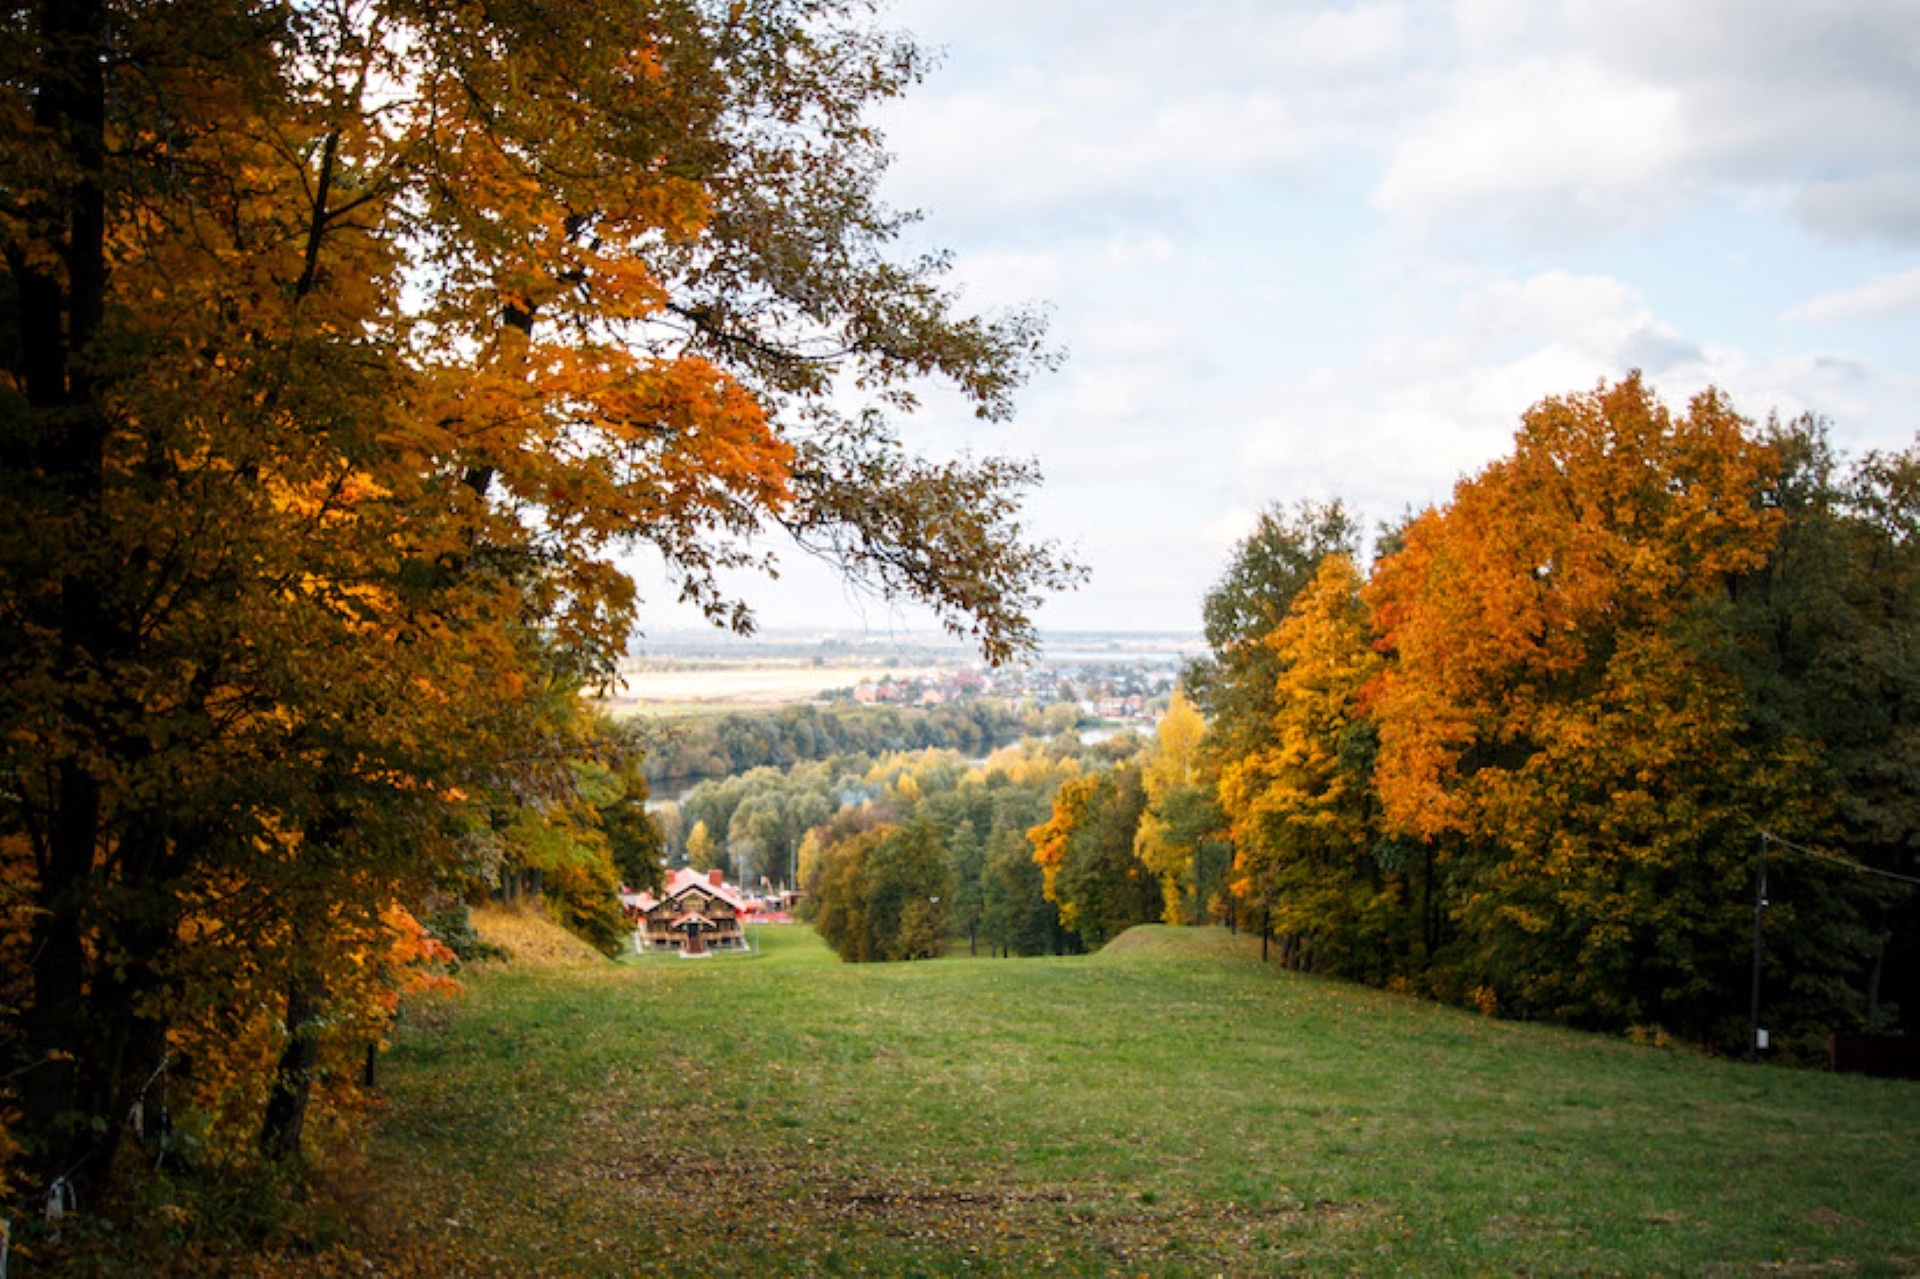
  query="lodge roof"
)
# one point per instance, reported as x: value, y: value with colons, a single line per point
x: 684, y: 881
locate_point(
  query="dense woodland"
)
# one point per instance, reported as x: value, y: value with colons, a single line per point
x: 899, y: 853
x: 939, y: 850
x: 1533, y: 759
x: 688, y: 749
x: 1536, y: 758
x: 344, y: 348
x: 1046, y: 847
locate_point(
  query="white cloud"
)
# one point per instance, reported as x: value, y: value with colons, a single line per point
x: 1547, y: 144
x: 1117, y: 113
x: 1557, y: 121
x: 1336, y: 249
x: 1876, y: 206
x: 1441, y: 397
x: 1608, y: 115
x: 1885, y: 296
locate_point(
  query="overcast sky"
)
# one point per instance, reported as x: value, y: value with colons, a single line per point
x: 1317, y: 249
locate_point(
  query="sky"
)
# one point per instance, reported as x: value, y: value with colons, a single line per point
x: 1316, y: 250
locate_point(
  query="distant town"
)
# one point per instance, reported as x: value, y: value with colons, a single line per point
x: 1117, y: 677
x: 1105, y: 690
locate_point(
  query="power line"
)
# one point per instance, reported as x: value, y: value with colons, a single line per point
x: 1760, y: 909
x: 1772, y: 838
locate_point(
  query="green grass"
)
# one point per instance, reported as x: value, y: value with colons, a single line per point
x: 1167, y: 1107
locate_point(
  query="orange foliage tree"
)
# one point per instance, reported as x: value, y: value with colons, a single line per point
x: 345, y: 347
x: 1527, y: 766
x: 1550, y: 721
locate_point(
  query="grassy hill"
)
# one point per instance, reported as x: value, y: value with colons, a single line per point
x: 1166, y: 1107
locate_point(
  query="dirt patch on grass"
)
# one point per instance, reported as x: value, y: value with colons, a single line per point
x: 618, y: 1199
x: 1004, y: 1226
x: 1097, y: 1218
x: 1829, y: 1217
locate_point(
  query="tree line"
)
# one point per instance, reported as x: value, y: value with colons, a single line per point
x: 905, y: 854
x: 1530, y: 759
x: 690, y: 748
x: 1526, y: 761
x: 937, y: 851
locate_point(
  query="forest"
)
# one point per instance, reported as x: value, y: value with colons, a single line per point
x: 899, y: 854
x: 345, y: 351
x: 1625, y: 736
x: 349, y: 351
x: 690, y: 748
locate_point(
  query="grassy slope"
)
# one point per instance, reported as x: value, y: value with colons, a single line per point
x: 1166, y: 1107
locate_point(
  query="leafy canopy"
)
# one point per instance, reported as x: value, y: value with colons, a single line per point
x: 344, y: 349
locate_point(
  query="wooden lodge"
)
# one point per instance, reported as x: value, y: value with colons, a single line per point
x: 695, y: 914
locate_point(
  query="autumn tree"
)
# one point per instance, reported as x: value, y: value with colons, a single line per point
x: 1233, y: 685
x: 819, y: 842
x: 1528, y: 765
x: 1547, y: 724
x: 1182, y: 832
x: 839, y: 893
x: 882, y: 894
x: 615, y: 789
x: 702, y: 852
x: 1085, y: 850
x: 343, y: 347
x: 1304, y: 818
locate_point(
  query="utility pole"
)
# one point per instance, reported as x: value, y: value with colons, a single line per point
x: 1759, y: 916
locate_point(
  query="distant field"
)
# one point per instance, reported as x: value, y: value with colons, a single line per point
x: 733, y: 686
x: 1167, y: 1107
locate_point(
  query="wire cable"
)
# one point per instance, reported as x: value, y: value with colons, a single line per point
x: 1772, y: 838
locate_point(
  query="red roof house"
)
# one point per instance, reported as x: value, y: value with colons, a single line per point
x: 696, y: 913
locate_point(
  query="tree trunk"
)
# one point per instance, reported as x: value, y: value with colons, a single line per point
x: 286, y: 1116
x: 56, y: 1021
x: 1429, y: 925
x: 60, y: 316
x: 123, y: 996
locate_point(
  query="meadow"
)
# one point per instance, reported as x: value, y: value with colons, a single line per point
x: 712, y: 687
x: 1169, y: 1106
